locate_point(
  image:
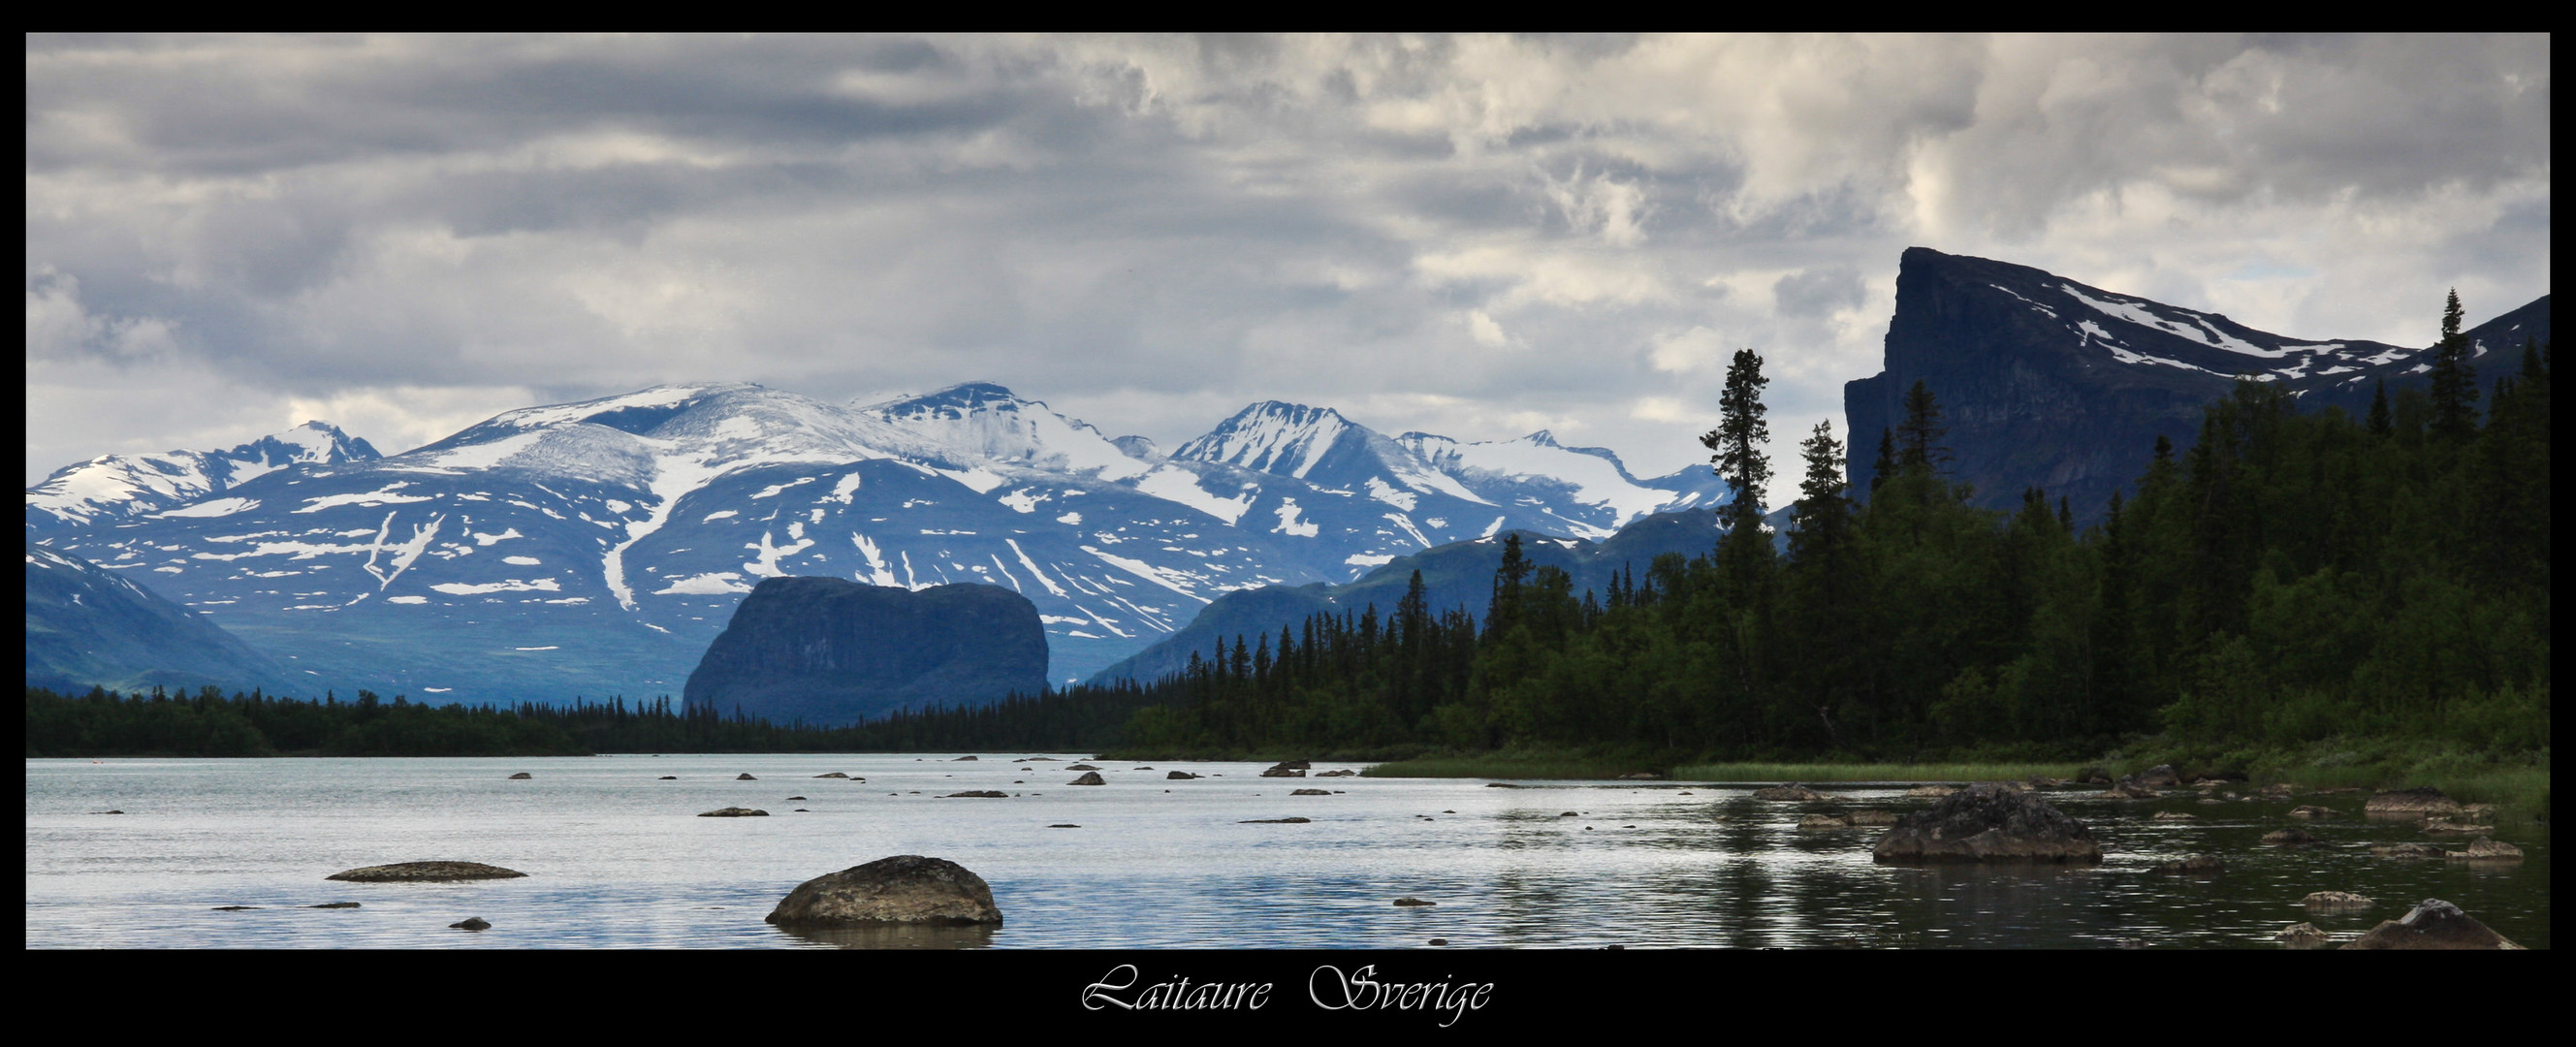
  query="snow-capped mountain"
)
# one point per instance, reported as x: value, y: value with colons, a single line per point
x: 598, y: 547
x: 116, y: 486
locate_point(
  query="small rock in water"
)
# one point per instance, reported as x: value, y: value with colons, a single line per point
x: 831, y: 774
x: 1988, y: 822
x: 1080, y: 767
x: 1791, y: 791
x: 1928, y: 792
x: 2310, y: 810
x: 2288, y: 838
x: 734, y: 812
x: 2302, y: 936
x: 472, y: 923
x: 521, y: 776
x: 235, y: 908
x: 1179, y: 776
x: 1089, y: 778
x: 745, y: 777
x: 1411, y: 902
x: 2423, y: 799
x: 1275, y: 821
x: 2487, y: 850
x: 2336, y: 901
x: 1570, y: 814
x: 668, y: 778
x: 961, y: 759
x: 1439, y: 941
x: 979, y: 794
x: 1871, y: 817
x: 2173, y: 816
x: 1311, y: 792
x: 334, y: 905
x: 425, y: 872
x: 1064, y: 825
x: 792, y: 799
x: 1814, y: 822
x: 107, y: 812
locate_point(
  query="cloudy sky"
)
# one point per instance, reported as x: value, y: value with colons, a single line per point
x: 1473, y: 236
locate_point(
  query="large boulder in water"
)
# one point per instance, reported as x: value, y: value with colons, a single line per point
x: 1988, y: 822
x: 2434, y: 924
x: 906, y: 888
x: 830, y: 651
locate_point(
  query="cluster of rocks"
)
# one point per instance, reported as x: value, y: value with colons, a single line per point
x: 1988, y: 822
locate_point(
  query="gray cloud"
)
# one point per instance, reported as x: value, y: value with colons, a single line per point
x: 1471, y: 235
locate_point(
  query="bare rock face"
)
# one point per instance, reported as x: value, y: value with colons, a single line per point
x: 2435, y: 924
x: 2423, y: 799
x: 907, y: 888
x: 832, y: 651
x: 1988, y: 822
x: 426, y: 872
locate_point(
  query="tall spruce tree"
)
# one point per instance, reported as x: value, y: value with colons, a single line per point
x: 1919, y: 438
x: 2454, y: 379
x: 1741, y: 434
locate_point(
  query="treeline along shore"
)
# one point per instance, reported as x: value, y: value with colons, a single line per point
x: 2301, y: 589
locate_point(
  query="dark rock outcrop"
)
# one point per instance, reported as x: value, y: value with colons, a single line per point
x: 906, y: 888
x: 1988, y: 822
x: 2434, y: 924
x: 2049, y: 383
x: 472, y: 923
x: 831, y: 651
x: 425, y: 872
x: 1089, y: 778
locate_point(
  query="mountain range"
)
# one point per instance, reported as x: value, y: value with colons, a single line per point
x: 598, y: 547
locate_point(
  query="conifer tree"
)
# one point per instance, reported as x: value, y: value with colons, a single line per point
x: 2454, y: 379
x: 1920, y: 435
x: 2380, y: 423
x: 1741, y: 434
x: 1886, y: 465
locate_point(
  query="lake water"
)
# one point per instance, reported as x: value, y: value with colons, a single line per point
x: 616, y: 858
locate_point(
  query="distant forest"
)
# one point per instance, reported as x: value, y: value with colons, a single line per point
x: 2293, y: 577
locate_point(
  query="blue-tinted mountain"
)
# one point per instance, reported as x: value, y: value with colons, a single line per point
x: 2046, y: 382
x: 833, y: 652
x: 118, y: 486
x: 88, y: 627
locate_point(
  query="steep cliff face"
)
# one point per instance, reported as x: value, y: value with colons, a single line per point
x: 830, y: 651
x: 2046, y: 382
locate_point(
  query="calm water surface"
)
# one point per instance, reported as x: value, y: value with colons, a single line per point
x: 616, y: 858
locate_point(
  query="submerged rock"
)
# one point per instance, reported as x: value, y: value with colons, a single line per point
x: 426, y: 872
x: 2434, y: 924
x: 907, y: 888
x: 1988, y: 822
x: 2408, y: 850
